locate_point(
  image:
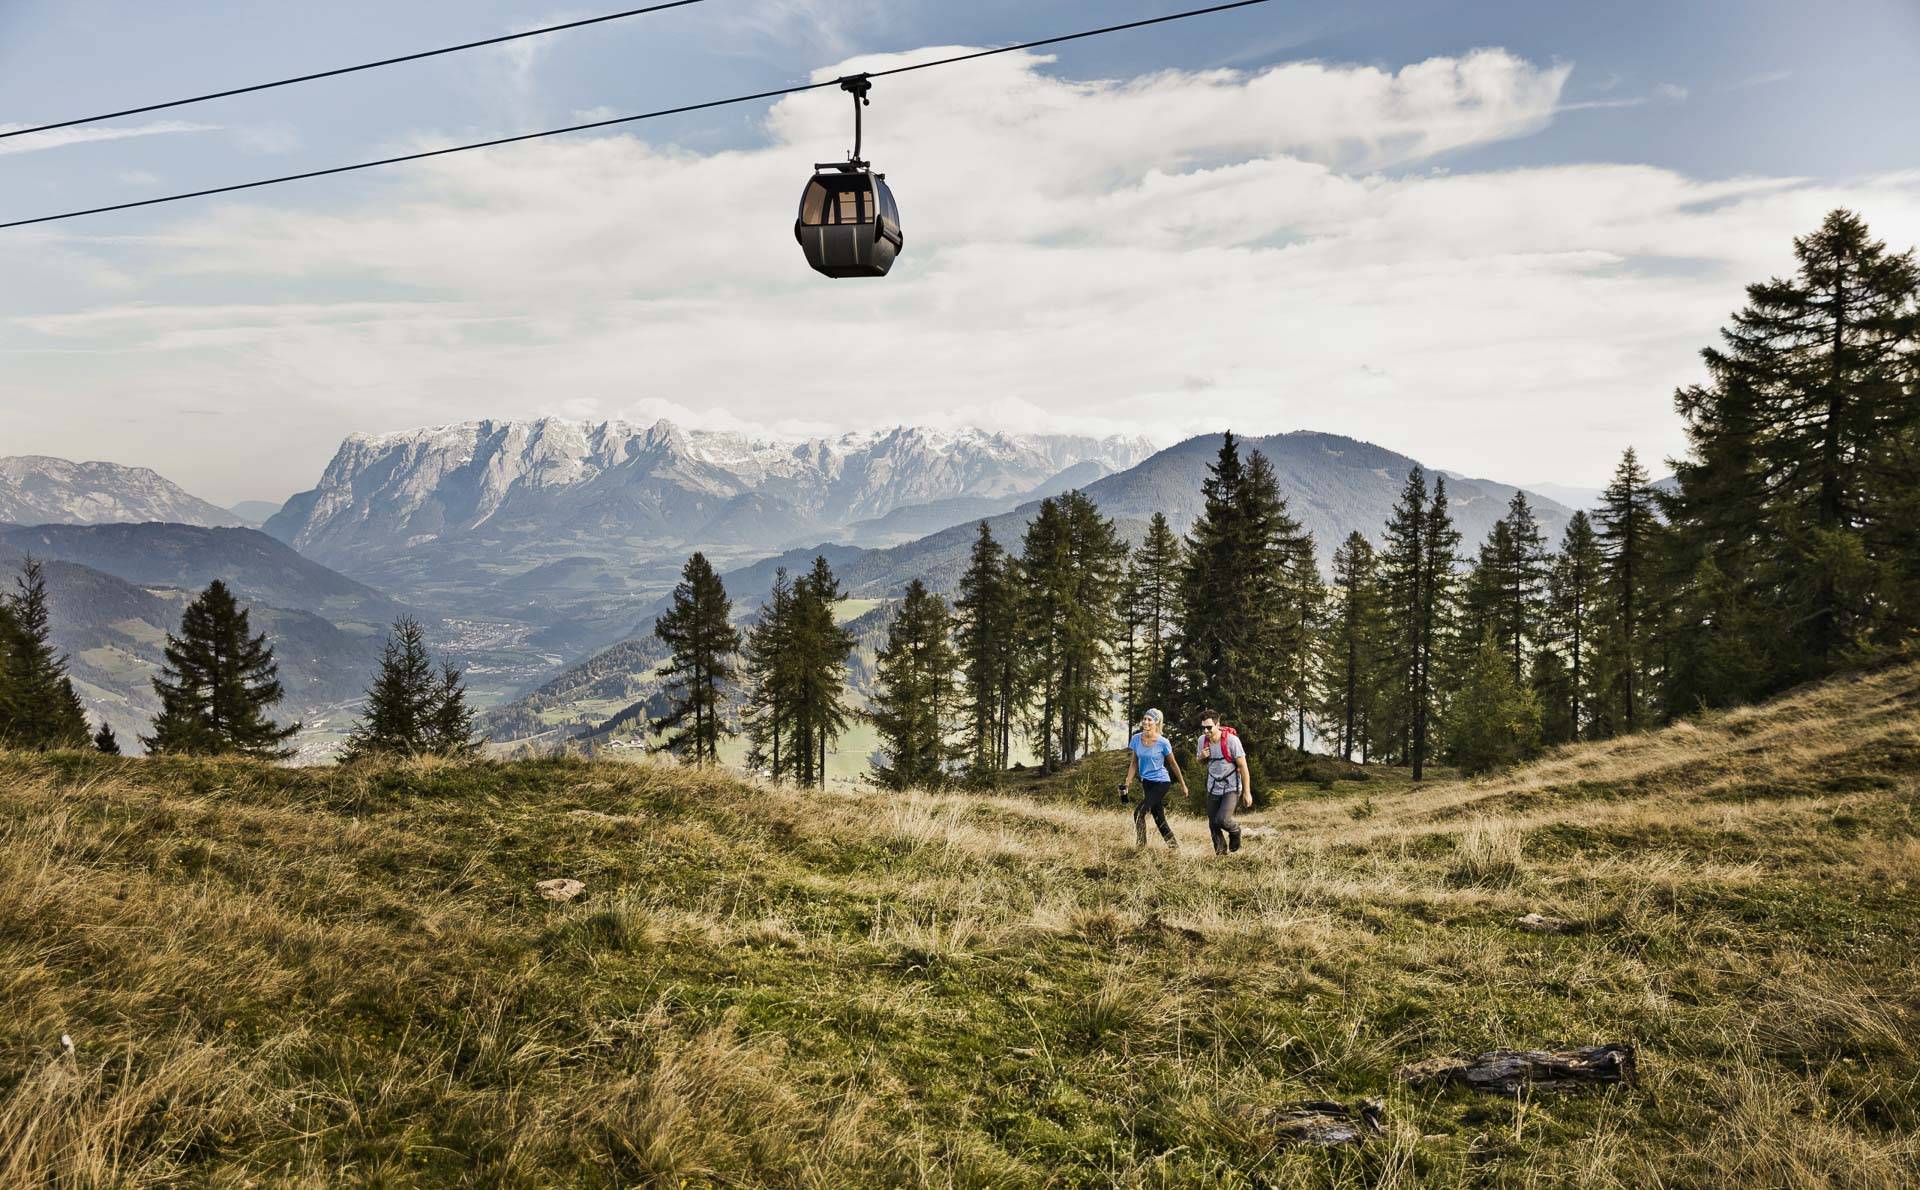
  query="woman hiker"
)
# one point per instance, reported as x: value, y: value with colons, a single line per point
x: 1224, y: 760
x: 1152, y: 756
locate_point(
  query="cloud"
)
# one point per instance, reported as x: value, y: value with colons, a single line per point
x: 83, y: 134
x: 1162, y: 255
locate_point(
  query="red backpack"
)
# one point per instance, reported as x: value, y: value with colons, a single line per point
x: 1226, y: 753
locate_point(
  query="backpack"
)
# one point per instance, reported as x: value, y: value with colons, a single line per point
x: 1226, y: 753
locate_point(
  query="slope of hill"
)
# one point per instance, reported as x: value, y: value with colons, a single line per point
x: 319, y: 976
x: 37, y: 489
x: 189, y: 556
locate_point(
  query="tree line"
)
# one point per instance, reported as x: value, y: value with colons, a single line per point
x: 218, y: 684
x: 1786, y: 548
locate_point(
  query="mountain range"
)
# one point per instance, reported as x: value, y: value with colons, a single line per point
x: 556, y: 479
x: 39, y: 489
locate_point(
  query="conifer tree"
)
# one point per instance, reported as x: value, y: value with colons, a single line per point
x: 105, y: 742
x: 1800, y: 458
x: 1627, y: 542
x: 1418, y: 589
x: 698, y: 629
x: 817, y: 667
x: 1156, y: 599
x: 1350, y: 646
x: 450, y: 729
x: 1496, y: 720
x: 914, y: 697
x: 1403, y: 571
x: 39, y: 708
x: 1211, y: 654
x: 217, y: 684
x: 1439, y: 621
x: 988, y: 611
x: 769, y: 698
x: 401, y: 701
x: 1574, y: 605
x: 1072, y: 566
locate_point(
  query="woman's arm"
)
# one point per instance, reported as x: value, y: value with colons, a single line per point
x: 1177, y: 774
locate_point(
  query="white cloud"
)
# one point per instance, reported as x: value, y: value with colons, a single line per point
x: 83, y: 134
x: 1080, y: 255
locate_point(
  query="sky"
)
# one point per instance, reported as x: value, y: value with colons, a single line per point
x: 1491, y: 235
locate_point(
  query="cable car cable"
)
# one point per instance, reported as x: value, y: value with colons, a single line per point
x: 653, y: 115
x: 327, y: 74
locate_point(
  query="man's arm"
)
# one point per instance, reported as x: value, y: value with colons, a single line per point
x: 1246, y: 779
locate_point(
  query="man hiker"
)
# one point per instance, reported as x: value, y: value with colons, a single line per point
x: 1152, y: 756
x: 1225, y: 762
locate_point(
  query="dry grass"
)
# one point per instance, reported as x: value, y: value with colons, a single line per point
x: 298, y: 977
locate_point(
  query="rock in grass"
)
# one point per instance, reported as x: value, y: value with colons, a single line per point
x: 1321, y: 1122
x: 1540, y: 923
x: 560, y: 890
x: 1508, y: 1072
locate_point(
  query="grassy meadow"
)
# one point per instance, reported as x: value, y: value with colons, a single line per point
x: 277, y: 976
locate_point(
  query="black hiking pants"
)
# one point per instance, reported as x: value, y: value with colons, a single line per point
x: 1153, y: 800
x: 1225, y: 831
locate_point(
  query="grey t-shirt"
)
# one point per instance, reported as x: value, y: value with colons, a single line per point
x: 1223, y: 775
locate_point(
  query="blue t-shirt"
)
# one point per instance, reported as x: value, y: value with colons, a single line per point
x: 1152, y: 761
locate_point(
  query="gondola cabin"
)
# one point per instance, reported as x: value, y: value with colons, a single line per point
x: 849, y: 225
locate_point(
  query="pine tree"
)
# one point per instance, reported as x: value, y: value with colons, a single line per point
x: 1418, y: 594
x: 817, y: 668
x: 1157, y: 600
x: 401, y: 701
x: 39, y: 708
x: 1211, y: 653
x: 1072, y: 566
x: 988, y: 611
x: 1403, y: 571
x: 768, y: 697
x: 450, y: 729
x: 1351, y: 644
x: 698, y: 629
x: 1496, y: 721
x: 1574, y: 599
x: 1801, y: 453
x: 105, y: 742
x: 217, y: 684
x: 914, y: 698
x: 1627, y: 543
x: 1439, y: 622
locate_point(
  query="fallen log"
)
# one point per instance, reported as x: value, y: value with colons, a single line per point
x: 1321, y: 1122
x: 1508, y: 1072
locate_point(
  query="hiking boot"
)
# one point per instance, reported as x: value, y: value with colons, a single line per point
x: 1233, y: 841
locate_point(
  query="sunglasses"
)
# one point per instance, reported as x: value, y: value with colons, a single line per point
x: 1209, y: 727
